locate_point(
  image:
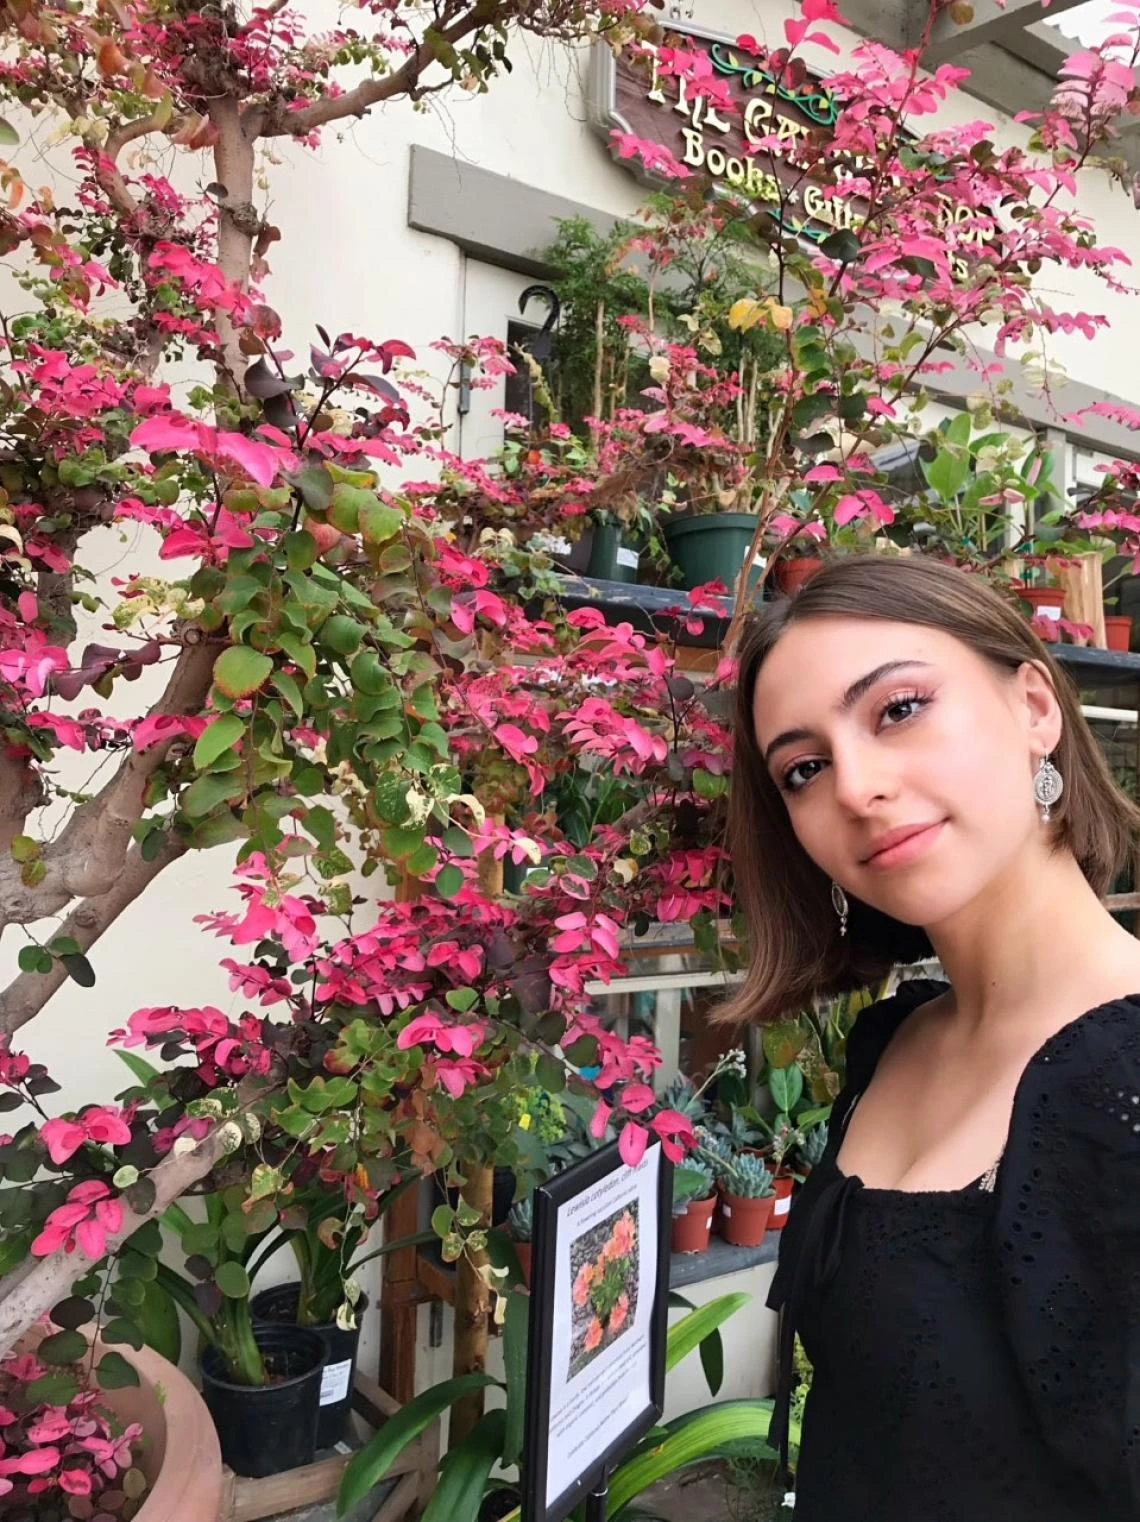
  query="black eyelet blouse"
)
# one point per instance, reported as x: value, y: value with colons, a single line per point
x: 976, y: 1352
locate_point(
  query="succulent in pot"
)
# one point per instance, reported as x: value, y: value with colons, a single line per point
x: 694, y: 1201
x: 749, y: 1196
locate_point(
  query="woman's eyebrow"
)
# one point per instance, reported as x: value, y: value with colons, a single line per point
x: 858, y: 688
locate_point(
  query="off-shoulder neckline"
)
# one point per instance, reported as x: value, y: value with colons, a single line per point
x: 1042, y: 1055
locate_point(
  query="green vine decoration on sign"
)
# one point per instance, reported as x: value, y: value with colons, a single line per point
x: 815, y: 103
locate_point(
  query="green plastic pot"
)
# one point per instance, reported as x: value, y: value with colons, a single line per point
x: 612, y: 556
x: 712, y: 547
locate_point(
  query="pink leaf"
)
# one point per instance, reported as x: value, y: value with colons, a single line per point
x: 632, y: 1143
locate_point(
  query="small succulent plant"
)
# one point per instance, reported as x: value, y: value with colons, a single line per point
x: 749, y: 1179
x: 682, y: 1096
x: 813, y: 1146
x: 714, y: 1152
x: 520, y: 1220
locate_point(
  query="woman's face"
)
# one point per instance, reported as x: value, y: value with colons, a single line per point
x: 905, y: 760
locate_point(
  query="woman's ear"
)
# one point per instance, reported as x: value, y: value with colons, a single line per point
x: 1042, y: 707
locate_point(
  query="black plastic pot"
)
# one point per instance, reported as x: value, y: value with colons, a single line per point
x: 264, y: 1429
x: 278, y: 1307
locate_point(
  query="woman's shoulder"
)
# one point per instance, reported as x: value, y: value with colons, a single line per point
x: 1083, y: 1085
x: 876, y: 1025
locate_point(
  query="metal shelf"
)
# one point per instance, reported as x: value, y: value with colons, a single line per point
x: 647, y: 608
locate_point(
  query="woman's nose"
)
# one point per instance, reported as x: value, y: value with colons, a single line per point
x: 862, y: 777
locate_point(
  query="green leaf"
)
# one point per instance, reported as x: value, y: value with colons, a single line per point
x: 342, y: 634
x: 463, y: 1474
x: 315, y: 485
x: 240, y: 671
x: 9, y: 137
x: 442, y: 1220
x: 75, y: 1311
x: 842, y: 246
x: 787, y: 1085
x: 62, y: 1347
x: 206, y: 792
x: 377, y: 1456
x: 232, y: 1280
x: 947, y: 473
x: 458, y: 842
x: 79, y: 970
x: 290, y: 690
x: 122, y: 1330
x: 348, y: 502
x: 24, y: 849
x: 379, y: 522
x: 516, y: 1330
x: 711, y: 1352
x: 221, y: 736
x: 115, y: 1373
x: 55, y: 1389
x: 699, y: 1435
x: 449, y: 881
x: 158, y: 1321
x: 368, y: 675
x: 692, y: 1329
x: 144, y: 1072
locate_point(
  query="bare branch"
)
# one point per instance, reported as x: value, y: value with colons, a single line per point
x: 28, y: 992
x: 129, y: 133
x: 88, y: 856
x: 28, y: 1291
x: 278, y: 121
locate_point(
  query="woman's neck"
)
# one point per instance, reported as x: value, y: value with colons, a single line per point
x: 1037, y: 936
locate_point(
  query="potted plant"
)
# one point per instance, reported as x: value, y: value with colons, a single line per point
x: 327, y: 1296
x: 132, y: 1402
x: 748, y: 1197
x: 694, y: 1201
x: 261, y: 1381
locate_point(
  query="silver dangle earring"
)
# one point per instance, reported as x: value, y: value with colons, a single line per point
x: 840, y: 905
x: 1048, y: 785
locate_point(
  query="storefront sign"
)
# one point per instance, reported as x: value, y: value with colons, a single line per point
x: 632, y: 95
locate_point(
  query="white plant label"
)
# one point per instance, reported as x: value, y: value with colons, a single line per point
x: 628, y: 558
x: 334, y: 1382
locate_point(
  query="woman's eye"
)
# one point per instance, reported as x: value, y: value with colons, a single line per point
x: 800, y: 775
x: 898, y: 710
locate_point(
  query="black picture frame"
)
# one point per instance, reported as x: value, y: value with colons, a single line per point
x: 550, y: 1203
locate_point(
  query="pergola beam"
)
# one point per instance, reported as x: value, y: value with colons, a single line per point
x: 990, y: 22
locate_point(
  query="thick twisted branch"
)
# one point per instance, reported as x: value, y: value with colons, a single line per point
x: 89, y: 856
x: 38, y: 1284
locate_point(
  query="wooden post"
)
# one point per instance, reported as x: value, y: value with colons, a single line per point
x: 400, y: 1296
x: 472, y: 1308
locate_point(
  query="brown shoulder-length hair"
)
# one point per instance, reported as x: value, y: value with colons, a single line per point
x: 795, y: 950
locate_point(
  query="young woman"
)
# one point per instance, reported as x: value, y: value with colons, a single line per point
x: 914, y: 779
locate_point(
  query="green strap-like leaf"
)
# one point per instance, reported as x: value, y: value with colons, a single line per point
x: 515, y: 1336
x: 464, y: 1473
x: 374, y: 1460
x: 692, y: 1329
x: 700, y: 1435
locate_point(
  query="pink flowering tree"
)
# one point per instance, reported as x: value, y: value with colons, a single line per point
x: 359, y: 661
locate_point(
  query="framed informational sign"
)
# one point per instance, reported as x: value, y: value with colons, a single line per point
x: 598, y: 1323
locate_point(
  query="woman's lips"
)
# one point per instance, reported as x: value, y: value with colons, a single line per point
x: 902, y: 847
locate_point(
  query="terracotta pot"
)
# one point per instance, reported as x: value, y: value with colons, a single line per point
x: 692, y: 1230
x: 791, y: 575
x: 1117, y: 632
x: 1046, y: 600
x: 525, y: 1253
x: 782, y: 1203
x: 744, y: 1222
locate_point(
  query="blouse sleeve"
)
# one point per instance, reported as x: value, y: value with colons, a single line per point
x: 1068, y: 1246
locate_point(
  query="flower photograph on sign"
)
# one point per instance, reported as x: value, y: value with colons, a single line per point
x: 604, y: 1265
